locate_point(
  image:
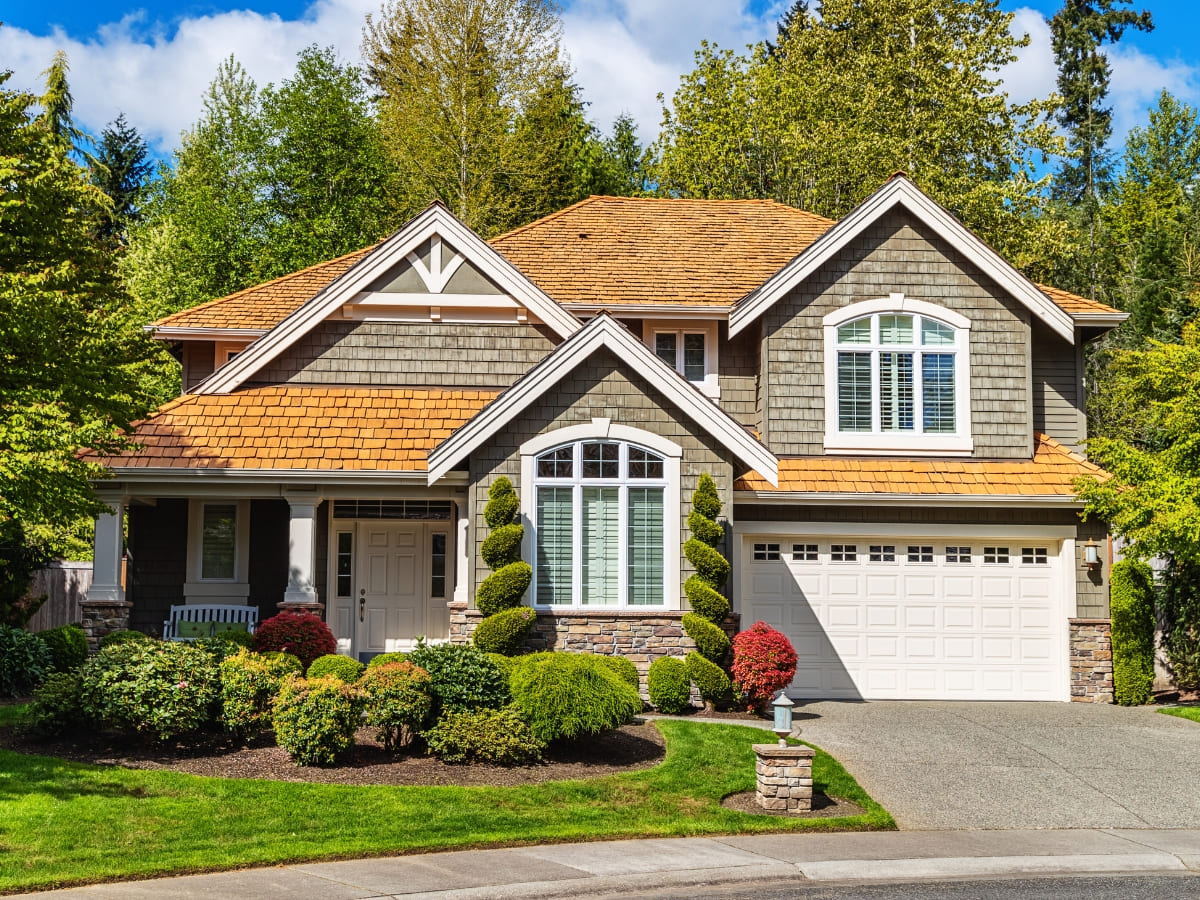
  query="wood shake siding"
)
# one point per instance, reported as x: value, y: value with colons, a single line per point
x: 199, y: 361
x: 433, y: 354
x: 898, y: 254
x: 1057, y: 389
x: 601, y: 387
x: 737, y: 374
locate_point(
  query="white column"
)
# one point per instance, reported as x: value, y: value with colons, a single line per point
x: 302, y: 551
x: 462, y: 554
x: 109, y: 549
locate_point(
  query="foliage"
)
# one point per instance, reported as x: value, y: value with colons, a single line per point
x: 501, y: 552
x: 123, y: 636
x: 224, y: 644
x: 121, y: 168
x: 384, y: 659
x: 282, y: 662
x: 24, y: 661
x: 568, y: 695
x: 298, y: 633
x: 68, y: 647
x: 335, y: 665
x: 315, y: 719
x: 704, y: 600
x: 710, y: 679
x: 1131, y: 595
x: 462, y: 677
x: 1180, y: 618
x: 763, y: 662
x: 20, y: 557
x: 496, y: 737
x: 160, y: 689
x: 56, y: 705
x: 398, y: 699
x: 496, y: 593
x: 1182, y: 712
x: 669, y: 685
x: 711, y: 640
x: 504, y: 632
x: 502, y: 546
x: 622, y: 667
x: 249, y: 684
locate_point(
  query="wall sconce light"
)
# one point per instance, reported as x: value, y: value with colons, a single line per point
x: 783, y: 718
x: 1091, y: 554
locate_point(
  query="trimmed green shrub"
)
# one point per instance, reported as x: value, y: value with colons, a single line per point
x: 503, y: 504
x: 502, y: 546
x: 398, y: 700
x: 25, y: 661
x: 496, y: 736
x: 343, y: 668
x: 462, y: 677
x: 220, y: 647
x: 299, y: 633
x: 711, y: 680
x: 315, y: 719
x: 160, y: 689
x: 566, y: 695
x: 704, y: 528
x: 505, y: 664
x: 710, y: 565
x: 505, y: 632
x: 56, y: 706
x: 68, y: 647
x: 249, y: 683
x: 501, y: 552
x: 706, y: 601
x: 622, y: 667
x: 282, y: 663
x: 711, y: 640
x: 1131, y: 595
x: 123, y: 636
x: 1180, y: 603
x: 504, y: 588
x: 384, y: 659
x: 669, y: 685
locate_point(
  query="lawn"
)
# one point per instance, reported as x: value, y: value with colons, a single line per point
x: 65, y: 823
x: 1183, y: 712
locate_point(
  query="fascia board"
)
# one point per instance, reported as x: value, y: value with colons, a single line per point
x: 1099, y: 320
x: 901, y: 192
x: 832, y: 498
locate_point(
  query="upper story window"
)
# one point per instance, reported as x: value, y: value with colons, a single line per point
x: 897, y: 378
x: 690, y: 348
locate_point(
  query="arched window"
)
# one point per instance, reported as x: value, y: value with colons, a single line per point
x: 600, y: 516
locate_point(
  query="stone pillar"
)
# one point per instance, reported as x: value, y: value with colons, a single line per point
x: 302, y: 557
x: 1091, y: 661
x: 784, y: 777
x: 101, y: 617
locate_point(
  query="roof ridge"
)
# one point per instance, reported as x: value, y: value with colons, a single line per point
x: 1058, y: 447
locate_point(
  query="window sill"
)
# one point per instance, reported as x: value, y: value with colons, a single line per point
x: 910, y: 445
x: 608, y: 611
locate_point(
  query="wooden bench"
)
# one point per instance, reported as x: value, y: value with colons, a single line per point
x: 201, y: 620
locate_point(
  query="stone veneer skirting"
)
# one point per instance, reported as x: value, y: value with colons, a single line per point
x: 1091, y: 661
x: 783, y: 777
x: 101, y: 617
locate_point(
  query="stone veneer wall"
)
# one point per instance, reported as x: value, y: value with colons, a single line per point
x: 1091, y: 661
x: 101, y: 617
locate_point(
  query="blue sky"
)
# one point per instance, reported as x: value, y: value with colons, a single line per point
x: 153, y: 59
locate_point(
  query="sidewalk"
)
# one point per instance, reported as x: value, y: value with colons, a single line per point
x: 571, y: 870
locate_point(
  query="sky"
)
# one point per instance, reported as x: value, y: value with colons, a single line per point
x: 153, y: 59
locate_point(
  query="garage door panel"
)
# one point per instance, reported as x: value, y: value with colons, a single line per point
x: 841, y: 615
x: 1039, y: 649
x: 920, y: 586
x: 920, y: 616
x: 882, y: 616
x: 994, y: 618
x: 956, y: 648
x: 920, y: 647
x: 845, y: 585
x: 1034, y: 618
x: 768, y: 585
x: 998, y: 649
x: 882, y: 585
x: 958, y: 586
x: 956, y: 616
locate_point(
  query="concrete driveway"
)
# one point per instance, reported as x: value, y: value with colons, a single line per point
x: 951, y: 765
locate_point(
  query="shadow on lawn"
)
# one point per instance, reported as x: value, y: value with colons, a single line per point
x: 21, y: 776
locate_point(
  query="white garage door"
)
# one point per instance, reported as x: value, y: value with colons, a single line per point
x: 913, y: 618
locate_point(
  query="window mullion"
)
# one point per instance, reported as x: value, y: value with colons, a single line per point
x: 918, y: 391
x: 876, y: 393
x: 577, y: 525
x: 622, y: 544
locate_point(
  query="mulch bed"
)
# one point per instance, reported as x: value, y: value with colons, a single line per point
x: 636, y: 746
x: 823, y: 807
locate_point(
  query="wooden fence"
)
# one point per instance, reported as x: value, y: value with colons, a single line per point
x: 65, y: 584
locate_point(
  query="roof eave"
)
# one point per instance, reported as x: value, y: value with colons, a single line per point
x: 839, y: 498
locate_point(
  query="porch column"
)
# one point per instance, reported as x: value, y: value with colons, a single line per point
x: 302, y: 556
x: 105, y: 608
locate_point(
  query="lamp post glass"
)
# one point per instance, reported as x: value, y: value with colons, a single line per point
x: 783, y: 717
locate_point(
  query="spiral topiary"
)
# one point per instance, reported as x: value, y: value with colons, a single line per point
x: 703, y: 589
x: 501, y: 552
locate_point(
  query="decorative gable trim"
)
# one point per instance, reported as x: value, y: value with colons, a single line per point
x: 900, y: 192
x: 434, y: 223
x: 601, y: 332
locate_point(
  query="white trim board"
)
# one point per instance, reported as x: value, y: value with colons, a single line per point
x: 434, y: 222
x: 601, y: 332
x: 900, y: 192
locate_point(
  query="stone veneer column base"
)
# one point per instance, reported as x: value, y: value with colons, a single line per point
x: 783, y: 777
x: 1091, y: 660
x: 101, y: 617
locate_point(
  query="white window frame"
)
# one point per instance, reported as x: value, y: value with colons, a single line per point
x: 605, y: 430
x: 916, y: 442
x: 210, y: 590
x: 710, y: 385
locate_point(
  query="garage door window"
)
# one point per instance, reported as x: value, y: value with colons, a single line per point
x: 995, y: 556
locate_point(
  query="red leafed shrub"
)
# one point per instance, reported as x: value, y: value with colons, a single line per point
x: 763, y: 663
x: 299, y: 633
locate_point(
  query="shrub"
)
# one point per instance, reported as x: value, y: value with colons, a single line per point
x: 502, y: 546
x: 1131, y: 596
x: 157, y: 688
x: 566, y: 695
x: 669, y: 685
x: 706, y: 601
x: 343, y: 668
x: 496, y: 736
x: 299, y: 633
x: 625, y: 669
x: 282, y: 663
x: 1180, y: 600
x: 24, y: 661
x: 123, y: 636
x: 710, y: 565
x: 461, y: 677
x: 315, y: 719
x: 504, y: 588
x: 501, y: 552
x: 763, y: 662
x: 220, y: 646
x: 711, y: 640
x: 383, y: 659
x: 505, y: 632
x: 68, y: 647
x: 398, y: 700
x: 505, y: 664
x: 502, y: 505
x: 249, y: 684
x: 56, y: 706
x: 710, y: 679
x: 703, y: 590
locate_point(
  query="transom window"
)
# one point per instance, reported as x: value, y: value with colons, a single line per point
x: 599, y: 525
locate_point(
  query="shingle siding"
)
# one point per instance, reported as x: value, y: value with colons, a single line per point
x: 1057, y: 389
x: 737, y: 374
x: 898, y: 254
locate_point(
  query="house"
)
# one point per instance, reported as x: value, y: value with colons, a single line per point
x: 894, y: 417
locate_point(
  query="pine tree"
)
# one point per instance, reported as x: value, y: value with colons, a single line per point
x: 120, y: 168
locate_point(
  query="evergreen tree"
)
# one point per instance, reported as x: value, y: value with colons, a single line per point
x: 121, y: 169
x: 625, y: 159
x: 58, y: 107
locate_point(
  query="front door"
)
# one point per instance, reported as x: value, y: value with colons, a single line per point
x: 392, y: 599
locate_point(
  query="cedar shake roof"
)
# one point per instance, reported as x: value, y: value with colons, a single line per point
x: 1051, y: 472
x: 293, y: 427
x: 603, y: 252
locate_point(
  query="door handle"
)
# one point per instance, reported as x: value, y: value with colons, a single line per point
x: 362, y: 605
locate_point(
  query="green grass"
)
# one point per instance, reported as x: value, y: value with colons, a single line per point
x: 1183, y: 712
x: 11, y: 714
x: 66, y: 823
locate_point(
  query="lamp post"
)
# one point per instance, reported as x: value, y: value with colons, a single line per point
x: 783, y: 717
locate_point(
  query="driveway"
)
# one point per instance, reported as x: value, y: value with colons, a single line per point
x: 943, y: 765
